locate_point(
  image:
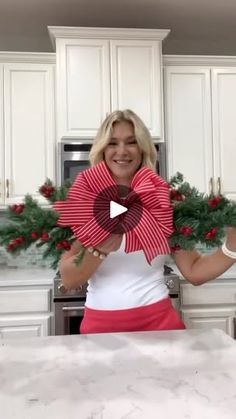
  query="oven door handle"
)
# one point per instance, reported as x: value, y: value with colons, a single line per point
x: 76, y: 308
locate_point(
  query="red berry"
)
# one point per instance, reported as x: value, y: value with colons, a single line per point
x: 211, y: 234
x: 19, y: 208
x: 46, y: 190
x: 13, y: 207
x: 186, y: 231
x: 175, y: 248
x: 10, y: 247
x: 45, y: 237
x: 213, y: 202
x: 19, y: 240
x: 173, y: 193
x: 179, y: 197
x: 66, y: 245
x: 34, y: 235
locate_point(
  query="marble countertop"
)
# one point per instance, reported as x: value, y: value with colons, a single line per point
x: 168, y: 375
x: 24, y: 276
x: 229, y: 274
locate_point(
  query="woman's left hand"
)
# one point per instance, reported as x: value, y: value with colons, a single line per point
x: 231, y: 238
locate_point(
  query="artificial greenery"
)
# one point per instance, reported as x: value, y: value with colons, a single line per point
x: 198, y: 219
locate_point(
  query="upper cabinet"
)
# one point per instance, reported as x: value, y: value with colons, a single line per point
x: 27, y: 125
x: 100, y: 70
x: 200, y: 97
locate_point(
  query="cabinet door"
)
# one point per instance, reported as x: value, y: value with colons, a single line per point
x: 224, y: 133
x: 29, y: 129
x: 188, y: 124
x: 83, y: 86
x: 1, y: 138
x: 209, y: 318
x: 25, y: 327
x: 136, y: 81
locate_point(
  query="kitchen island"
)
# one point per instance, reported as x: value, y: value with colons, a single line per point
x: 170, y: 374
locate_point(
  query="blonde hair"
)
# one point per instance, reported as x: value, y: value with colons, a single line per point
x: 141, y: 133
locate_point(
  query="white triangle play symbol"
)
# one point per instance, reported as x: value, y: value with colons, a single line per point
x: 116, y: 209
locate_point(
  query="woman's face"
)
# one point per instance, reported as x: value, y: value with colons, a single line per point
x: 122, y: 154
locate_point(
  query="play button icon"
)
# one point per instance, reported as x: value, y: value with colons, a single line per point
x: 116, y: 209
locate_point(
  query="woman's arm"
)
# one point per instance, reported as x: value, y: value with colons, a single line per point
x: 73, y: 276
x: 198, y: 269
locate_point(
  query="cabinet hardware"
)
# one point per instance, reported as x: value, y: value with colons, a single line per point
x: 211, y: 186
x: 219, y: 185
x: 75, y: 308
x: 234, y: 323
x: 7, y: 188
x: 0, y: 188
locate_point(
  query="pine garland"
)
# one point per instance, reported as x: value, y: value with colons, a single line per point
x: 198, y: 219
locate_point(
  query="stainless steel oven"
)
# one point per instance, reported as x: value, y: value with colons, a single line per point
x: 73, y: 158
x: 68, y: 306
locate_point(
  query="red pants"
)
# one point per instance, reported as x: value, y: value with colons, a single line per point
x: 157, y: 316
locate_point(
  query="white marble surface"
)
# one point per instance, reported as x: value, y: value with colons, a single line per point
x: 25, y: 276
x: 229, y: 274
x: 151, y: 375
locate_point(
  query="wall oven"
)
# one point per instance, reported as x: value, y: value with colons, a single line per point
x: 73, y: 158
x: 68, y: 307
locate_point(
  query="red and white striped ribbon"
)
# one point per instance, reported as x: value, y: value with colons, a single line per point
x: 151, y: 232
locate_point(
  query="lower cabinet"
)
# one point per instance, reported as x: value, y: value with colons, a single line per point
x: 25, y: 326
x: 25, y: 311
x: 211, y: 305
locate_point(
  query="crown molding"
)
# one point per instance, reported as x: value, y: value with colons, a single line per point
x: 106, y: 33
x: 29, y: 57
x: 204, y: 60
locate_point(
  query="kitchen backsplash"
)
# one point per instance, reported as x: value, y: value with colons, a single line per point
x: 29, y: 258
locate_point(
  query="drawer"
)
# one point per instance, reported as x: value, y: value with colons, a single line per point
x: 210, y: 293
x: 24, y: 301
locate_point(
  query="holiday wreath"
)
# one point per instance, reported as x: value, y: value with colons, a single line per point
x: 198, y: 219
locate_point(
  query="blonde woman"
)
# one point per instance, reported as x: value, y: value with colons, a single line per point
x: 125, y: 292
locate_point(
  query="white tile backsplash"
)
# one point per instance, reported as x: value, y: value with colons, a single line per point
x: 30, y: 257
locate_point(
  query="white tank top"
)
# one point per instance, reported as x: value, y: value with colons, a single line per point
x: 126, y: 280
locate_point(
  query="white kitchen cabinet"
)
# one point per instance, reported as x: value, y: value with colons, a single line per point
x: 220, y: 318
x: 83, y: 86
x: 25, y: 310
x: 27, y: 125
x: 100, y: 70
x: 200, y: 114
x: 211, y: 305
x: 2, y: 181
x: 25, y: 326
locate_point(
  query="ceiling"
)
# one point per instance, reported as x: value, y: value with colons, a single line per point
x: 199, y: 27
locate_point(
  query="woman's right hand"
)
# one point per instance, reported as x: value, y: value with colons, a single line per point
x: 112, y: 244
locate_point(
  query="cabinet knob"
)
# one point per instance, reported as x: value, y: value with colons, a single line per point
x: 7, y: 188
x: 211, y: 186
x: 219, y: 185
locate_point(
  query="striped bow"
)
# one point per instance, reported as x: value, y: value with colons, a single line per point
x: 153, y: 228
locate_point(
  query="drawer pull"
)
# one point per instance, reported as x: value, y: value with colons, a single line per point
x: 76, y: 308
x: 219, y: 185
x: 7, y: 188
x: 211, y: 186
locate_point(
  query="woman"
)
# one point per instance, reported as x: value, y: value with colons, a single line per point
x: 125, y: 293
